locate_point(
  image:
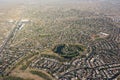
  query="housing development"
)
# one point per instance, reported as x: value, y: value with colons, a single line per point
x: 60, y: 40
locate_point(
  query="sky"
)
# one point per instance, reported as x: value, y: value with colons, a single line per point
x: 2, y: 2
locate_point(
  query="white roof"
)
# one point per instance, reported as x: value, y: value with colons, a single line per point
x: 104, y: 33
x: 25, y: 20
x: 10, y: 20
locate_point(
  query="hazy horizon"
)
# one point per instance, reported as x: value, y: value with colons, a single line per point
x: 48, y: 1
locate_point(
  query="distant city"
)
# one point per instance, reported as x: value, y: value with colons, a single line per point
x: 59, y: 40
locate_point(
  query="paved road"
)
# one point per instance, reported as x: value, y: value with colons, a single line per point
x: 18, y: 25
